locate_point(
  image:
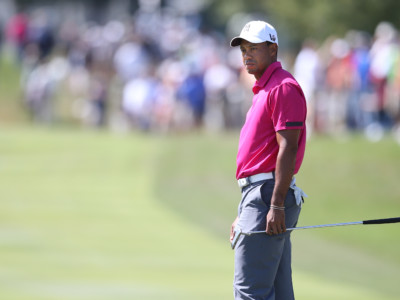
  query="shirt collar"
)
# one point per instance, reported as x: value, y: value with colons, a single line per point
x: 259, y: 84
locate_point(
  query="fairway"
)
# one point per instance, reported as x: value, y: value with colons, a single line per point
x: 92, y: 215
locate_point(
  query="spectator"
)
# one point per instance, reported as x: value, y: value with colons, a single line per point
x: 382, y: 59
x: 192, y: 91
x: 306, y: 71
x: 17, y: 33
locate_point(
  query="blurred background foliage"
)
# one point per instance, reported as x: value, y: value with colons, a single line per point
x: 311, y: 18
x: 298, y: 19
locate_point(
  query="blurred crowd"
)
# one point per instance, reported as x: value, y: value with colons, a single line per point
x: 160, y: 70
x: 352, y: 83
x: 157, y: 70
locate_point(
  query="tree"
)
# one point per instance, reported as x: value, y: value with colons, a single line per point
x: 299, y: 19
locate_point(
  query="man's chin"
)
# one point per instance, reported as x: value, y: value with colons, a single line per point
x: 251, y: 71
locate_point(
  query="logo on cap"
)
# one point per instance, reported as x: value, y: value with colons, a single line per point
x: 273, y: 38
x: 247, y: 27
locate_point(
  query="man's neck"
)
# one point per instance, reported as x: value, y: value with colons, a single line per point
x: 259, y: 75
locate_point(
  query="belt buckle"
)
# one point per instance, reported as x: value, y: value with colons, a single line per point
x: 243, y: 182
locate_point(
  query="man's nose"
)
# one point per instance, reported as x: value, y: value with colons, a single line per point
x: 246, y: 55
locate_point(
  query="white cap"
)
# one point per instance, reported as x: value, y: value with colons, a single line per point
x: 256, y: 32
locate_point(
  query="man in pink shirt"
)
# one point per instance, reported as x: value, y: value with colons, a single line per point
x: 271, y: 149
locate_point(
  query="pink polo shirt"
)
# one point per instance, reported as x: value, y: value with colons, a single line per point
x: 278, y: 104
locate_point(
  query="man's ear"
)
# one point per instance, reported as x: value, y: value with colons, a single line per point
x: 274, y: 48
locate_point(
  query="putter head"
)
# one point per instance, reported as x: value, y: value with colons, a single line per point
x: 237, y: 232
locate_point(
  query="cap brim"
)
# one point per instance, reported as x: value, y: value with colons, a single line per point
x: 236, y: 41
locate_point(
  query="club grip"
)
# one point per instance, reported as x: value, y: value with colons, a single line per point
x: 381, y: 221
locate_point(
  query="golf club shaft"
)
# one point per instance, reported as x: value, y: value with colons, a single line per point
x: 366, y: 222
x: 312, y: 226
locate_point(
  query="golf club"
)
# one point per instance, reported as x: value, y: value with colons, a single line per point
x: 238, y: 231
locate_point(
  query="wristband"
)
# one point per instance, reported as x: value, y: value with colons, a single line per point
x: 277, y: 207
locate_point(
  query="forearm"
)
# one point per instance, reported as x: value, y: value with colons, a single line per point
x: 284, y: 171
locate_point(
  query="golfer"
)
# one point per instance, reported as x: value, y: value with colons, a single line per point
x: 271, y: 149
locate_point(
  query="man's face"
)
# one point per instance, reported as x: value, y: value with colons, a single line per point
x: 257, y: 57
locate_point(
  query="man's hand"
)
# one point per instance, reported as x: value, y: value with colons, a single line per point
x: 275, y: 222
x: 233, y: 228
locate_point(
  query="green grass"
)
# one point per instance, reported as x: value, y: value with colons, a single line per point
x: 79, y: 221
x: 91, y: 215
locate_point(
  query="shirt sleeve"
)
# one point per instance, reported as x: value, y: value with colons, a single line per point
x: 288, y: 107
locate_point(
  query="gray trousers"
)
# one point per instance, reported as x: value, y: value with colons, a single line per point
x: 262, y: 262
